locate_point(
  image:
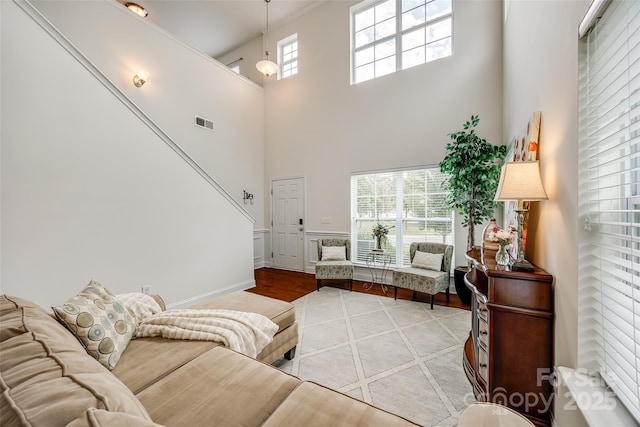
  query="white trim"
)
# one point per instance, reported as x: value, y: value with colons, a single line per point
x: 46, y: 25
x: 400, y: 169
x: 198, y: 299
x: 586, y: 399
x: 260, y: 248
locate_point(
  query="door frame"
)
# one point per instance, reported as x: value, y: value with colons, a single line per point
x: 304, y: 218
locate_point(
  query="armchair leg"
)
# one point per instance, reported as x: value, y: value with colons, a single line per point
x: 350, y: 285
x: 447, y: 294
x: 318, y: 284
x: 431, y: 301
x: 395, y: 292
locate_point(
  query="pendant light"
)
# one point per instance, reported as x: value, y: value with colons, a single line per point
x: 266, y: 66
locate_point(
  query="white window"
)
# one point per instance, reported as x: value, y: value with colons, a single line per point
x: 390, y: 35
x: 288, y: 56
x: 410, y: 202
x: 609, y: 202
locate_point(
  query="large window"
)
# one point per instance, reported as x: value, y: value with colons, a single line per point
x: 390, y: 35
x: 412, y: 202
x: 609, y: 201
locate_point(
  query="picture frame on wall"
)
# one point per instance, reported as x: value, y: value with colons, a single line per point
x: 522, y: 147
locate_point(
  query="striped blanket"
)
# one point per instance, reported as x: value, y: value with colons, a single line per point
x: 244, y: 332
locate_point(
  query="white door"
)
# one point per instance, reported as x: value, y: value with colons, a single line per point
x: 288, y: 223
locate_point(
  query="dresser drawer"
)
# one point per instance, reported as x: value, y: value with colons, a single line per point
x: 483, y: 364
x: 482, y: 310
x: 483, y: 332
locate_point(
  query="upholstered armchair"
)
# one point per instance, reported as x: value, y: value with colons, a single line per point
x: 334, y: 262
x: 429, y: 271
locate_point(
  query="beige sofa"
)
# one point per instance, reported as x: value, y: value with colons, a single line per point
x: 48, y: 379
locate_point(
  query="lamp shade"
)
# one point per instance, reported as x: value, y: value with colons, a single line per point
x: 267, y: 67
x: 520, y: 181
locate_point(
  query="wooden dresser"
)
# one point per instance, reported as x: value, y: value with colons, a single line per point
x: 508, y: 357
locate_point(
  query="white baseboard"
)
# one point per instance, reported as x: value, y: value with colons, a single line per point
x: 189, y: 302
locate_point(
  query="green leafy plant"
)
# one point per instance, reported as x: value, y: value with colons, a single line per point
x: 473, y: 168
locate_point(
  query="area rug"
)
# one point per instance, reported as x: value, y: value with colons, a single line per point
x: 397, y: 355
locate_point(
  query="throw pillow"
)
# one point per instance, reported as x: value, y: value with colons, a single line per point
x: 334, y: 253
x: 427, y: 260
x: 100, y: 321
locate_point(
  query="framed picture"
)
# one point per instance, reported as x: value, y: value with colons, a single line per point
x: 522, y: 147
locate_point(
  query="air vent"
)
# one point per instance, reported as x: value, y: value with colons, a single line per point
x: 204, y: 123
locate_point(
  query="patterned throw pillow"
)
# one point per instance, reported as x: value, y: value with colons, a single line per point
x: 334, y: 253
x: 427, y: 260
x: 100, y: 321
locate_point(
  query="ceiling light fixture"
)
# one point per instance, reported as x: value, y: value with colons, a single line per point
x: 137, y: 9
x: 266, y: 66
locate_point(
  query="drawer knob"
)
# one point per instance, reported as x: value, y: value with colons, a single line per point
x: 483, y: 365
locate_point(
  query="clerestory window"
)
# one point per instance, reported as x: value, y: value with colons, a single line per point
x: 392, y: 35
x: 288, y: 56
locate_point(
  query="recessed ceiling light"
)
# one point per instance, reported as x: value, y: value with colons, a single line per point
x: 137, y: 9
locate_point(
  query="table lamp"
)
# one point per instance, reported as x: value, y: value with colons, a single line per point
x: 520, y: 182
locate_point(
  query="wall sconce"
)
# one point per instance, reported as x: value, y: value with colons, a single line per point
x: 247, y: 196
x: 520, y: 182
x: 140, y: 78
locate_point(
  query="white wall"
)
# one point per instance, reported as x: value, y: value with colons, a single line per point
x: 320, y: 126
x: 250, y: 53
x: 182, y: 83
x: 88, y: 190
x: 541, y: 74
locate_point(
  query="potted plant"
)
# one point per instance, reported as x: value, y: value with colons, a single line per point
x: 473, y: 168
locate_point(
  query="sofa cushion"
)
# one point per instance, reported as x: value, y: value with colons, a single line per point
x: 280, y: 312
x: 159, y: 356
x: 219, y: 388
x: 162, y: 356
x: 93, y: 417
x: 100, y: 321
x: 312, y: 405
x: 47, y: 378
x: 334, y: 253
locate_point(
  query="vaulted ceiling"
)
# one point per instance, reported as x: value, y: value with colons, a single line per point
x: 215, y: 27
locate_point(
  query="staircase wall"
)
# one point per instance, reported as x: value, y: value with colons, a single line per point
x: 89, y: 190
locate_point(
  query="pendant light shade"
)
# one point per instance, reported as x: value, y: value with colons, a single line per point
x: 266, y: 66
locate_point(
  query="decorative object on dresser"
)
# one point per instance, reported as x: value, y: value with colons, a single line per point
x: 472, y: 166
x: 508, y: 357
x: 487, y: 242
x: 334, y: 261
x: 520, y: 182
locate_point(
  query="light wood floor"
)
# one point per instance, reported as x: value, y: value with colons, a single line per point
x: 291, y: 285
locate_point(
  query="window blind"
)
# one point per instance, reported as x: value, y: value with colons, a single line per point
x: 411, y: 203
x: 609, y: 201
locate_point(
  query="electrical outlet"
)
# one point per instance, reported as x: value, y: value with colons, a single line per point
x: 146, y: 290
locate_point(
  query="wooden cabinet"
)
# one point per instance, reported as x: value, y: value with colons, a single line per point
x: 508, y: 357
